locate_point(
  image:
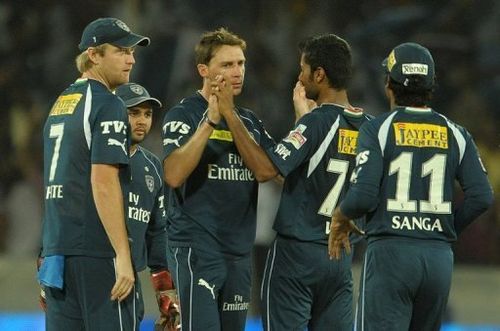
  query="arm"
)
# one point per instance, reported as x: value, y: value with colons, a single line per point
x: 478, y: 193
x: 253, y: 154
x: 180, y: 163
x: 108, y: 199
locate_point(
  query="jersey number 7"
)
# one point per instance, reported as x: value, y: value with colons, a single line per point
x: 340, y: 167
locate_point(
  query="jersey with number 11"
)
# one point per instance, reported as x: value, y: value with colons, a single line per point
x: 86, y: 125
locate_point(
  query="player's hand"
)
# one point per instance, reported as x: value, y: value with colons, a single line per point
x: 168, y: 303
x: 124, y: 278
x: 213, y: 113
x: 222, y: 89
x: 340, y: 229
x: 301, y: 103
x: 41, y: 297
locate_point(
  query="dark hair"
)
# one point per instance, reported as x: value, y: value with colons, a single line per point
x: 412, y: 95
x: 213, y: 40
x: 331, y: 53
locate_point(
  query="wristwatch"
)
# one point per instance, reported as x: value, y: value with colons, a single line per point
x: 212, y: 124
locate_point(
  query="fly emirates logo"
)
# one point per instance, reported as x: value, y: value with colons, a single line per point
x: 235, y: 171
x: 135, y: 212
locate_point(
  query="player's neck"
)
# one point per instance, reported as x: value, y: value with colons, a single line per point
x: 205, y: 91
x: 331, y: 95
x: 133, y: 149
x: 95, y: 76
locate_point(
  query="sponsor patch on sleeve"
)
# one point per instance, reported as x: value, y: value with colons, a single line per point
x: 296, y: 137
x: 65, y: 104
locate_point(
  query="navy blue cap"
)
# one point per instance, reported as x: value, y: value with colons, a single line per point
x: 112, y: 31
x: 410, y: 59
x: 133, y: 94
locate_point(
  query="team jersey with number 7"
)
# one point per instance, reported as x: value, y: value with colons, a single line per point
x: 86, y: 125
x: 316, y: 159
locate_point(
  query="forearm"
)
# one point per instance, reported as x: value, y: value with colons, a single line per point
x: 253, y: 154
x: 359, y: 201
x: 180, y: 163
x: 108, y: 198
x: 472, y: 208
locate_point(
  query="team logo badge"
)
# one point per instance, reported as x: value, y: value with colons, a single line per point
x: 296, y: 137
x: 150, y: 182
x: 122, y: 25
x: 137, y: 89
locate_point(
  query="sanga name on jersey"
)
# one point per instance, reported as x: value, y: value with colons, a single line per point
x: 65, y: 104
x: 413, y: 223
x: 421, y: 135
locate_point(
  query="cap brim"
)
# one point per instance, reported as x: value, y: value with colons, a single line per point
x: 135, y: 101
x: 132, y: 40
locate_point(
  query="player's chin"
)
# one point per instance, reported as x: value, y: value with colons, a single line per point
x: 125, y: 77
x: 138, y: 137
x: 237, y: 89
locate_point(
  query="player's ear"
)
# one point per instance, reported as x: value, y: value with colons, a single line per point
x: 202, y: 70
x: 93, y: 53
x: 319, y: 74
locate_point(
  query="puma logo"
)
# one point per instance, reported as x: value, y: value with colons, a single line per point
x: 167, y: 141
x: 114, y: 142
x: 204, y: 283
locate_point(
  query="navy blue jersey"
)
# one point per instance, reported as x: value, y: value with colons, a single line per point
x: 216, y: 206
x: 146, y: 217
x: 86, y: 125
x: 407, y: 163
x: 316, y: 159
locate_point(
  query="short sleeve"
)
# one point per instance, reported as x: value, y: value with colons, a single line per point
x: 297, y: 146
x: 177, y: 128
x: 109, y: 132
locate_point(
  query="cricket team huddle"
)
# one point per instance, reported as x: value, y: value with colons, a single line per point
x: 113, y: 208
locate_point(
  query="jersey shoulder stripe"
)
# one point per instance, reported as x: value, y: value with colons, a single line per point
x: 384, y: 131
x: 323, y: 147
x: 457, y: 134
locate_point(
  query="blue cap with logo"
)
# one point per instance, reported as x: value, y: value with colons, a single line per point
x: 133, y: 94
x: 411, y: 60
x: 109, y: 30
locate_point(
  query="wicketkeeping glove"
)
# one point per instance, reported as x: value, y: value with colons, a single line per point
x: 41, y: 298
x: 166, y: 295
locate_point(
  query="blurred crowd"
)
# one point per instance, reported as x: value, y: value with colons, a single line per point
x: 38, y: 44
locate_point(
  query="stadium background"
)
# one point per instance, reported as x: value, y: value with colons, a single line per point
x: 38, y: 44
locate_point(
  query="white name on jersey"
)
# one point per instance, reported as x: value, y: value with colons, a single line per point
x: 416, y: 223
x: 54, y: 192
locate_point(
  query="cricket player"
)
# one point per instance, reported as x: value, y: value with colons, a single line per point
x: 211, y: 218
x: 406, y: 166
x: 87, y: 269
x: 146, y: 216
